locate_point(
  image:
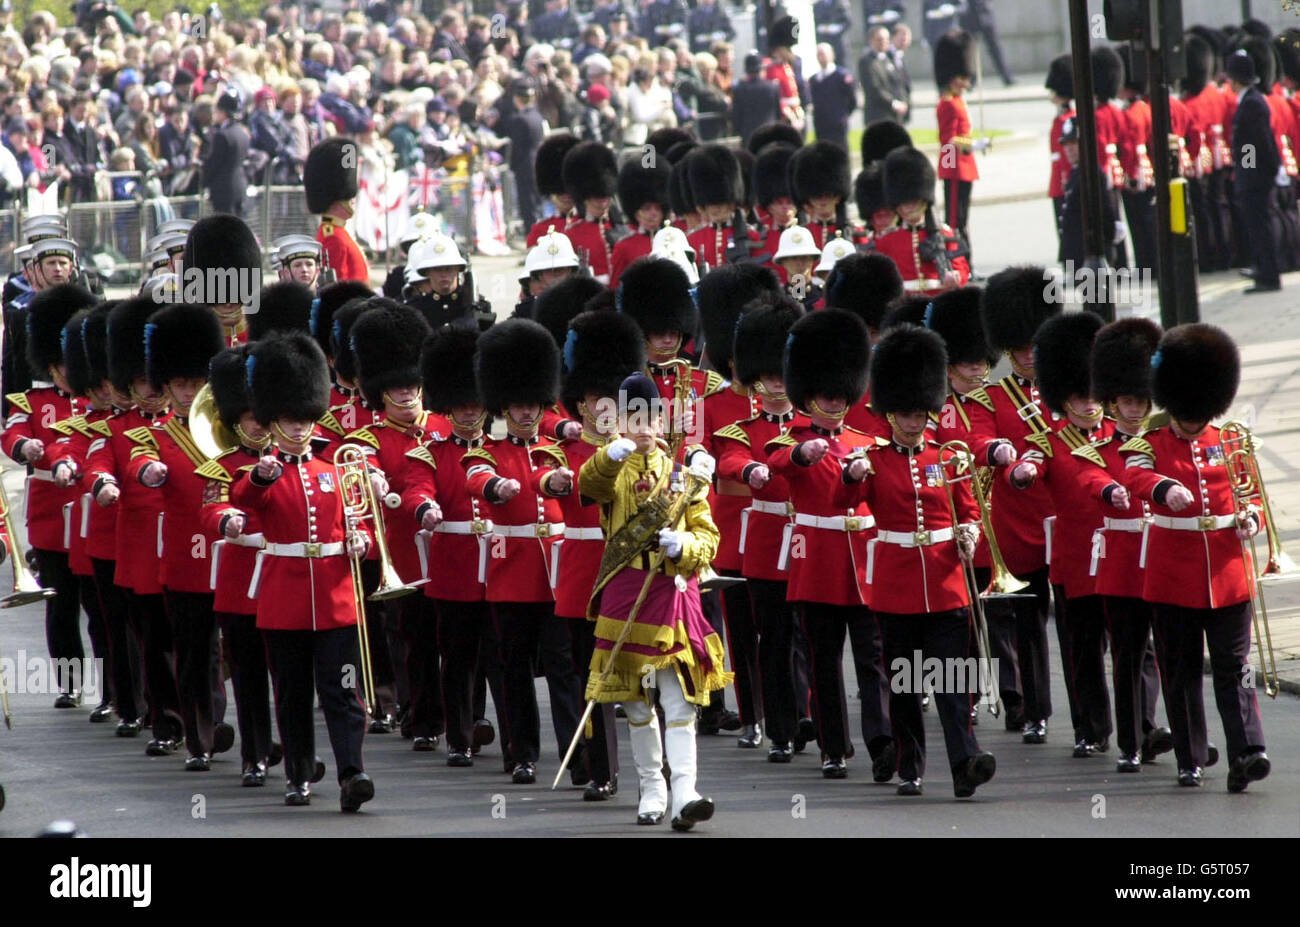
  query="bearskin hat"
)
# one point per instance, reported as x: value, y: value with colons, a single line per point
x: 601, y: 350
x: 761, y: 332
x: 1195, y: 372
x: 680, y: 150
x: 555, y: 308
x: 327, y: 176
x: 908, y: 175
x: 714, y: 175
x: 447, y: 367
x: 1132, y: 81
x: 771, y: 173
x: 1107, y: 72
x: 770, y: 132
x: 864, y: 284
x: 517, y: 361
x: 819, y: 169
x: 94, y: 343
x: 723, y: 293
x: 1200, y: 64
x: 125, y: 340
x: 1121, y: 359
x: 48, y: 313
x: 679, y: 188
x: 1286, y: 46
x: 288, y: 378
x: 1014, y: 305
x: 590, y: 170
x: 746, y: 176
x: 1261, y: 52
x: 784, y: 33
x: 226, y: 377
x: 222, y: 242
x: 1060, y: 77
x: 1062, y: 348
x: 1257, y: 28
x: 909, y: 371
x: 639, y: 185
x: 869, y: 191
x: 906, y: 310
x: 331, y: 299
x: 826, y: 354
x: 656, y: 294
x: 180, y: 341
x: 386, y: 343
x: 882, y: 137
x: 662, y: 139
x: 345, y: 360
x: 548, y: 164
x: 283, y: 306
x: 954, y: 56
x: 955, y: 317
x: 75, y: 369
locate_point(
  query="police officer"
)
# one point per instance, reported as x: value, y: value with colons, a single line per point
x: 439, y: 293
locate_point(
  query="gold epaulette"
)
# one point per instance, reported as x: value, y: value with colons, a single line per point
x: 781, y: 441
x: 1138, y: 446
x: 734, y: 432
x: 330, y: 423
x: 1090, y: 453
x: 714, y: 382
x: 19, y: 400
x: 101, y: 426
x: 1041, y: 440
x: 143, y: 436
x: 74, y: 423
x: 555, y: 452
x: 365, y: 435
x: 247, y: 467
x: 480, y: 453
x: 981, y: 395
x: 212, y: 470
x: 422, y: 453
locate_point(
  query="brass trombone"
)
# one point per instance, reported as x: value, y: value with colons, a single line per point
x: 26, y: 589
x: 359, y: 504
x: 1248, y: 489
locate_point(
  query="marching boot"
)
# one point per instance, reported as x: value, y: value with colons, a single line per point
x: 648, y: 757
x: 688, y: 806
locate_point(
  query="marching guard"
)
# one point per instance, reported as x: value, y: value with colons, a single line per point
x: 591, y: 177
x: 929, y: 255
x: 548, y: 172
x: 820, y: 186
x: 643, y: 197
x: 222, y: 252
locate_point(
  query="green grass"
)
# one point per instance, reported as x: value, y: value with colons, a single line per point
x: 919, y: 136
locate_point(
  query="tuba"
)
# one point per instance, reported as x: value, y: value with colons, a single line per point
x: 26, y: 589
x: 213, y: 436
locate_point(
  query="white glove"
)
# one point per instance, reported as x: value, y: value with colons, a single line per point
x: 670, y: 542
x: 814, y: 450
x: 621, y: 449
x: 1004, y: 454
x: 981, y: 144
x: 269, y: 466
x: 1121, y: 233
x: 1179, y: 497
x: 702, y: 467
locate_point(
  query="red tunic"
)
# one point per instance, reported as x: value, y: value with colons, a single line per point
x: 1282, y: 121
x: 75, y: 437
x: 728, y: 497
x: 739, y: 448
x: 922, y: 277
x: 783, y: 74
x: 1207, y: 109
x: 433, y: 474
x: 578, y: 553
x: 1189, y: 568
x: 711, y: 242
x: 233, y: 560
x: 1112, y: 138
x: 1060, y: 174
x: 1117, y: 548
x: 953, y: 423
x: 626, y: 251
x: 33, y: 416
x: 956, y: 161
x: 341, y: 252
x: 518, y: 563
x: 590, y: 237
x: 1134, y: 153
x: 559, y: 223
x: 1189, y: 138
x: 867, y: 420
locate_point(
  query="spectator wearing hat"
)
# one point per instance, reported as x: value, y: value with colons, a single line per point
x: 228, y: 145
x: 598, y: 121
x: 755, y: 101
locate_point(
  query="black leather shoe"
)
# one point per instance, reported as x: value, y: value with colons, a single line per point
x: 483, y: 734
x: 1190, y: 778
x: 318, y: 770
x: 780, y: 753
x: 297, y: 794
x: 729, y: 721
x: 805, y: 732
x: 884, y: 765
x: 1035, y: 732
x: 973, y: 773
x: 925, y: 702
x: 974, y: 717
x: 1128, y: 764
x: 459, y: 759
x: 600, y: 791
x: 357, y: 789
x: 160, y: 747
x: 650, y: 818
x: 254, y: 775
x: 1211, y: 755
x: 1101, y: 746
x: 1247, y: 272
x: 524, y: 774
x: 693, y: 812
x: 68, y: 699
x: 128, y: 728
x: 383, y: 725
x: 198, y: 763
x: 424, y: 744
x: 1248, y: 768
x: 274, y: 755
x: 910, y: 787
x: 751, y: 737
x: 223, y: 737
x: 101, y: 712
x: 1158, y: 740
x: 834, y: 769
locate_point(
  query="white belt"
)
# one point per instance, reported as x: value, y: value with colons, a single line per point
x: 311, y: 551
x: 46, y: 476
x: 1130, y: 525
x: 584, y: 534
x: 914, y: 538
x: 160, y: 534
x: 477, y: 526
x: 923, y: 283
x: 253, y: 541
x: 87, y: 500
x: 1198, y: 523
x: 67, y: 524
x: 256, y: 540
x: 836, y: 522
x: 539, y: 530
x: 1125, y: 525
x: 784, y: 509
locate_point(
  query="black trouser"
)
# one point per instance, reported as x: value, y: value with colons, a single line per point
x: 1031, y: 646
x: 1261, y: 231
x: 530, y: 203
x: 459, y: 631
x: 602, y: 745
x: 826, y: 626
x: 1288, y: 241
x: 381, y: 661
x: 194, y: 628
x: 300, y: 662
x: 1129, y: 620
x: 1000, y: 615
x: 1216, y: 205
x: 990, y: 33
x: 1212, y: 246
x: 776, y: 622
x: 1139, y: 208
x: 956, y: 208
x: 525, y: 628
x: 152, y: 629
x: 873, y: 681
x: 123, y: 652
x: 420, y: 627
x: 1181, y: 637
x: 802, y: 680
x: 943, y: 636
x: 245, y: 652
x: 62, y: 613
x: 1081, y: 631
x: 742, y: 636
x: 490, y: 674
x: 97, y: 631
x: 1057, y: 202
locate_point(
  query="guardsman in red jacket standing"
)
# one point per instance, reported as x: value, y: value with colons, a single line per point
x: 643, y: 197
x: 352, y: 412
x: 234, y: 558
x: 1135, y: 156
x: 929, y: 255
x: 925, y: 528
x: 825, y: 548
x: 1060, y: 83
x: 591, y: 178
x: 222, y: 253
x: 782, y: 36
x: 518, y: 480
x: 306, y: 603
x: 820, y: 185
x: 180, y: 342
x: 1113, y: 135
x: 1013, y: 307
x: 954, y: 72
x: 547, y: 172
x: 1182, y: 471
x: 602, y: 350
x: 717, y: 189
x: 1061, y: 350
x: 29, y: 438
x: 330, y: 180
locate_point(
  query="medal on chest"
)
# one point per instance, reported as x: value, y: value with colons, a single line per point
x: 325, y: 480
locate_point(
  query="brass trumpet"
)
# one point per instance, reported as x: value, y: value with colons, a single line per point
x: 1248, y: 489
x: 26, y: 589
